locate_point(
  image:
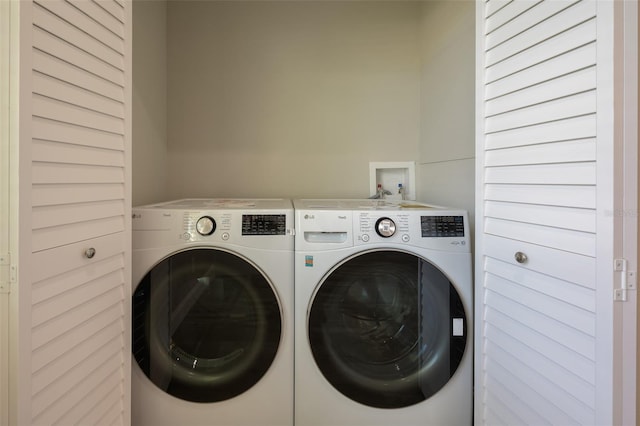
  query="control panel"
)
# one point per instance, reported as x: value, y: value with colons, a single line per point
x: 442, y: 226
x: 386, y: 227
x: 234, y: 225
x: 438, y: 231
x: 264, y: 224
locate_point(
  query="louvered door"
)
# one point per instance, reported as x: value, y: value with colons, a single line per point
x: 544, y: 348
x: 80, y: 88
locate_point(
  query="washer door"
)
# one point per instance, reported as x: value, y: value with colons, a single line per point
x: 206, y: 325
x: 387, y: 329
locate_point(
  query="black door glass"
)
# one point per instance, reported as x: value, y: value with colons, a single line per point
x: 380, y: 329
x: 206, y: 325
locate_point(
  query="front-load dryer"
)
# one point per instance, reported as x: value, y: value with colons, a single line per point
x: 383, y: 311
x: 212, y: 321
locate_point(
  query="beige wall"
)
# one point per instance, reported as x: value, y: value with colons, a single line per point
x: 446, y: 166
x: 289, y: 99
x: 149, y: 152
x: 294, y: 99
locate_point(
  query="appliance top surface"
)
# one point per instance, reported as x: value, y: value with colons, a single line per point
x: 222, y: 204
x: 363, y: 204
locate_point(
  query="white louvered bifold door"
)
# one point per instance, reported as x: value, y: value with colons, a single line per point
x: 80, y: 176
x: 544, y: 321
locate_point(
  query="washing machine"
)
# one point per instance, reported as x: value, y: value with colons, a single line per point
x: 212, y: 320
x: 383, y: 314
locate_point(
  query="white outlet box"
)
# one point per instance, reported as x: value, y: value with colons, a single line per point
x: 390, y: 174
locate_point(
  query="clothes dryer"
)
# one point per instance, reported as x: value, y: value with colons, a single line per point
x: 212, y: 322
x: 383, y: 311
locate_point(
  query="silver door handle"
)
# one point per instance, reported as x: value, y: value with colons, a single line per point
x: 89, y: 253
x: 520, y: 257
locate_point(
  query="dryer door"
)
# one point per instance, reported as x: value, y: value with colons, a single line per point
x: 387, y: 329
x: 206, y: 325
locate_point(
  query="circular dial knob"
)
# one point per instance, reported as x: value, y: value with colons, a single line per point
x: 206, y: 225
x: 385, y: 227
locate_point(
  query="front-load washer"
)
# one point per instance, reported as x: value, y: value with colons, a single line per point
x: 212, y: 320
x: 383, y: 313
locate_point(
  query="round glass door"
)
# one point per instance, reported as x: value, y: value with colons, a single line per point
x: 387, y: 329
x: 206, y: 325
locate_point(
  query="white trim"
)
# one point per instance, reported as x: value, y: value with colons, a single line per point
x: 128, y: 152
x: 627, y: 347
x: 5, y: 108
x: 479, y: 390
x: 12, y: 36
x: 605, y: 198
x: 20, y: 360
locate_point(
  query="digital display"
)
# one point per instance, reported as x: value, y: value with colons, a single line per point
x: 264, y: 224
x: 442, y: 226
